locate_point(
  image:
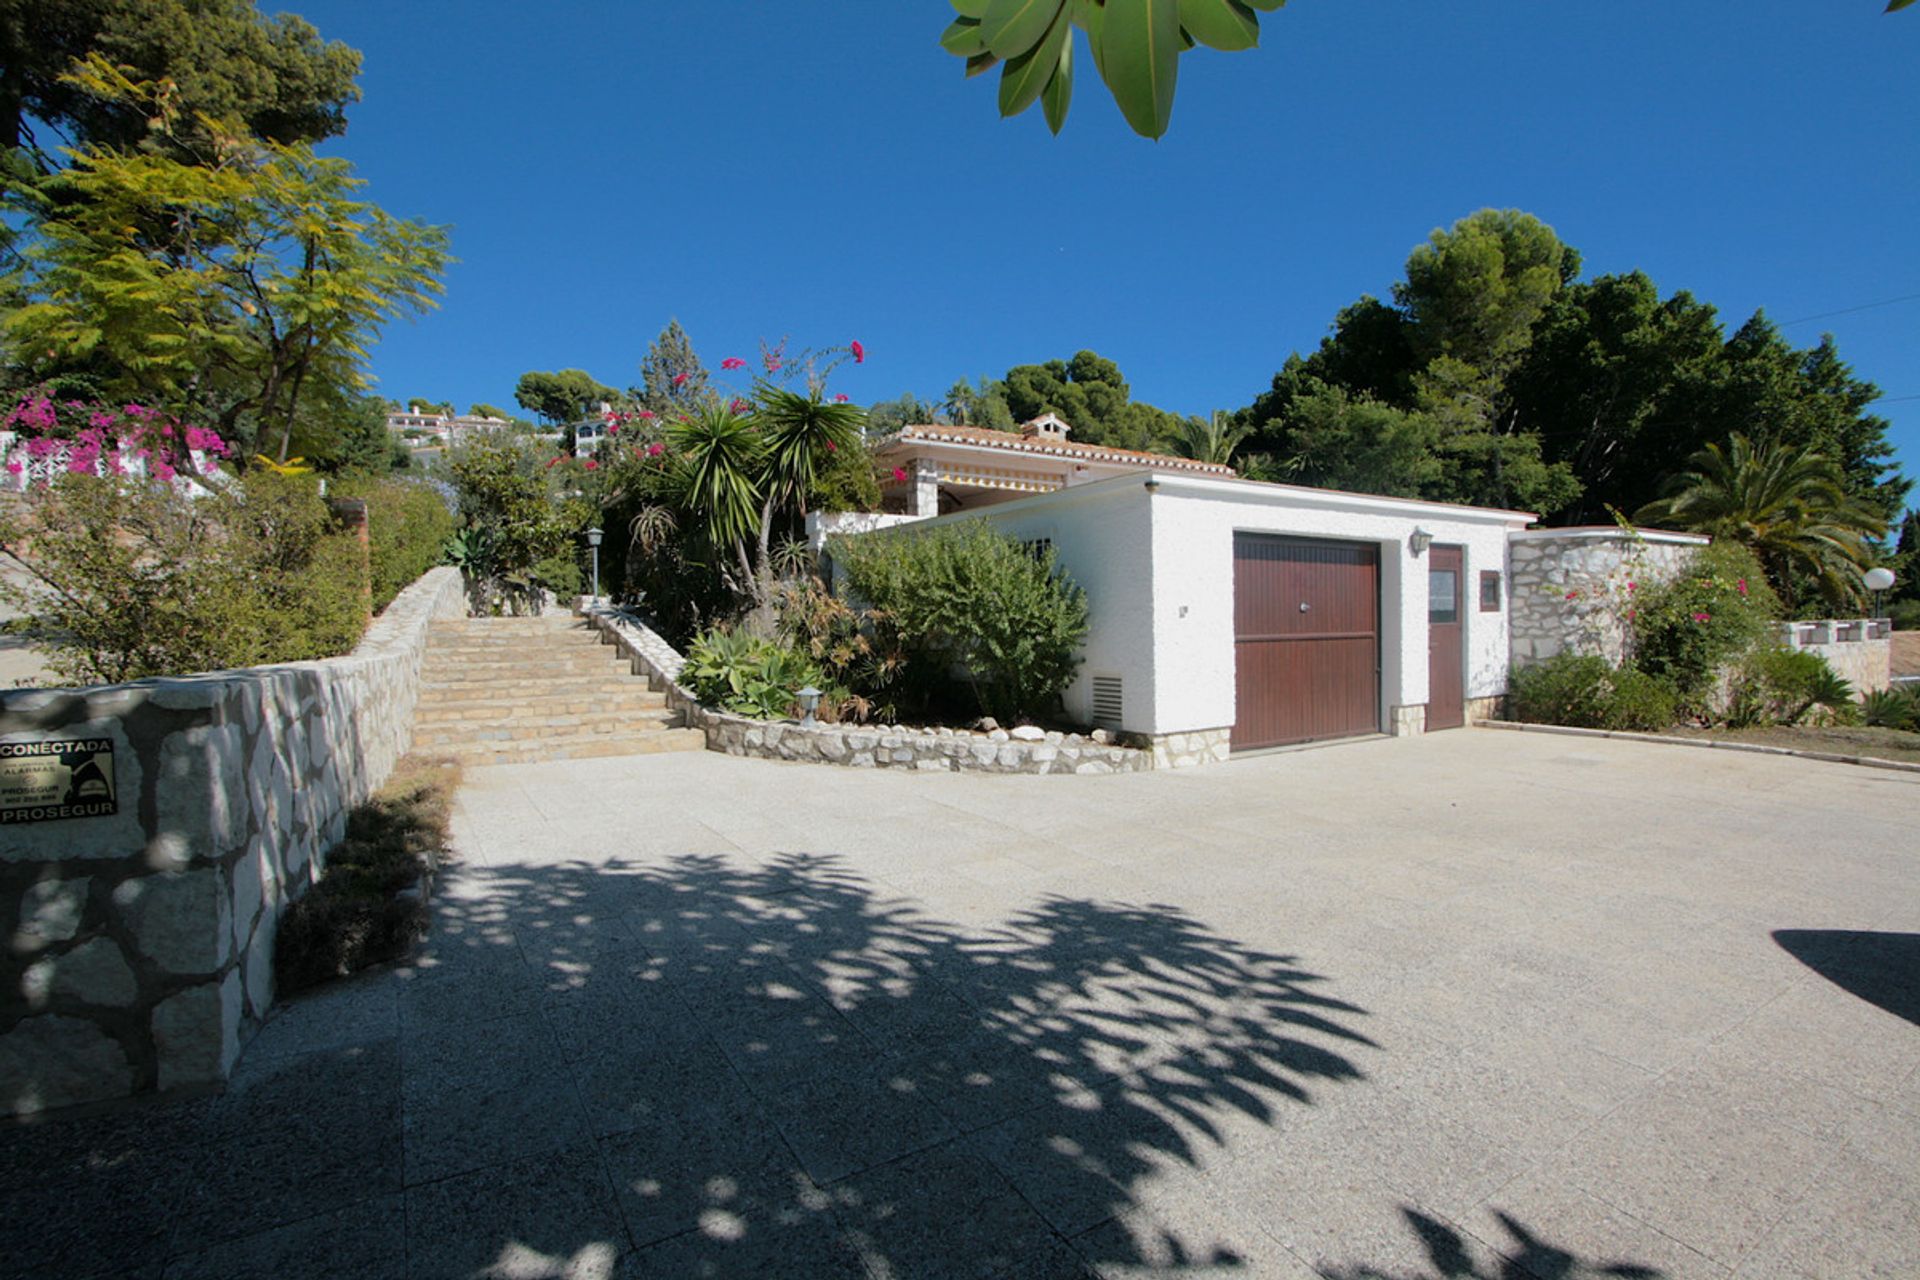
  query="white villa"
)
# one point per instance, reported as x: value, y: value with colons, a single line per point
x: 1230, y: 614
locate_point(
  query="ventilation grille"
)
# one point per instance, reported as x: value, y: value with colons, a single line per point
x: 1107, y: 701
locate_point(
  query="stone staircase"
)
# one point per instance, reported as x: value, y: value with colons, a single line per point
x: 518, y: 690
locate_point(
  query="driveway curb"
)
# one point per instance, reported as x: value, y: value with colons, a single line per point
x: 1752, y: 748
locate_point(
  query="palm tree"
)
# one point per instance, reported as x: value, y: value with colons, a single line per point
x: 1789, y: 506
x: 1214, y: 440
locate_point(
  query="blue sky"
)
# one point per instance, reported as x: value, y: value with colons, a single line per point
x: 823, y: 170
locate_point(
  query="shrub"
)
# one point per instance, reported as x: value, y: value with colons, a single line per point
x: 971, y: 600
x: 1581, y: 690
x: 857, y: 649
x: 359, y: 913
x: 1905, y: 615
x: 747, y: 675
x: 408, y: 525
x: 129, y: 579
x: 1686, y: 629
x: 527, y: 531
x: 1897, y: 708
x: 1773, y: 685
x: 1567, y: 688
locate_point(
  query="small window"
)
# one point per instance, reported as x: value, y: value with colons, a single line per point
x: 1039, y: 548
x: 1443, y: 597
x: 1489, y: 591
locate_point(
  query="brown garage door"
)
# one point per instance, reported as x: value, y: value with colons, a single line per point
x: 1306, y: 626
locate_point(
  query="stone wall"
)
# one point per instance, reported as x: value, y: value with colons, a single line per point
x: 1568, y: 587
x: 1860, y: 650
x: 140, y: 945
x: 1021, y: 750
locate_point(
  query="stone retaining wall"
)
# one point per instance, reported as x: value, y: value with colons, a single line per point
x: 140, y: 945
x: 1568, y: 587
x: 1023, y: 750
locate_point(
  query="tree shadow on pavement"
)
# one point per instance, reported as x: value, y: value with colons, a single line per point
x: 1881, y: 968
x: 703, y: 1066
x: 1524, y: 1255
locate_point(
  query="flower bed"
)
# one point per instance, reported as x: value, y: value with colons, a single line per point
x: 1022, y: 750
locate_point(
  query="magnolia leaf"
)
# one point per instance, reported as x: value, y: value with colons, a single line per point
x: 980, y: 62
x: 1269, y: 6
x: 1091, y: 15
x: 1140, y: 56
x: 1227, y: 25
x: 1011, y: 27
x: 1894, y: 6
x: 1028, y: 74
x: 963, y: 38
x: 975, y: 9
x: 1059, y: 90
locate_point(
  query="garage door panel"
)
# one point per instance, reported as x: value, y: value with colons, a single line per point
x: 1306, y: 624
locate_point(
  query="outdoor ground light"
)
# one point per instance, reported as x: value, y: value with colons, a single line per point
x: 593, y: 540
x: 1420, y: 540
x: 809, y: 702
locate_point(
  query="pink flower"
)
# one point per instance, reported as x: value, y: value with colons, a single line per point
x: 646, y: 413
x: 737, y: 405
x: 593, y: 464
x: 613, y: 429
x: 655, y: 449
x: 1742, y: 584
x: 14, y: 468
x: 859, y: 352
x: 1632, y: 614
x: 733, y: 362
x: 841, y: 398
x: 679, y: 378
x: 1573, y: 595
x: 832, y: 447
x: 1702, y: 617
x: 1629, y: 586
x: 900, y: 474
x: 773, y: 364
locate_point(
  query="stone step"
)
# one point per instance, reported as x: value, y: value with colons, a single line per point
x: 537, y: 728
x: 609, y: 684
x: 545, y: 702
x: 578, y: 747
x: 555, y: 625
x: 509, y: 663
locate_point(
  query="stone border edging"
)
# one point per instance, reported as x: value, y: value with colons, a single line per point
x: 856, y: 746
x: 1752, y: 748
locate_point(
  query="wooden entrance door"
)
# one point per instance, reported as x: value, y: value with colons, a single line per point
x: 1446, y: 662
x: 1306, y: 626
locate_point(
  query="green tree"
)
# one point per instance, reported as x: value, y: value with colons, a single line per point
x: 484, y: 410
x: 1211, y: 439
x: 672, y: 379
x: 221, y: 59
x: 978, y: 404
x: 561, y: 398
x: 1788, y: 506
x: 1335, y: 440
x: 1092, y: 395
x: 903, y: 411
x: 227, y: 292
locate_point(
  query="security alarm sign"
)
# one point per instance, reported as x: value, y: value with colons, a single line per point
x: 57, y: 778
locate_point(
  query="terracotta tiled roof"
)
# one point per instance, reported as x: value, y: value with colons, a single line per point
x: 934, y: 433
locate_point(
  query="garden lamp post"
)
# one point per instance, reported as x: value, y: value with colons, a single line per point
x: 809, y: 703
x: 1878, y: 581
x: 593, y: 541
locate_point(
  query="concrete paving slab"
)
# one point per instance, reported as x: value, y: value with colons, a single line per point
x: 1465, y: 1006
x: 551, y: 1215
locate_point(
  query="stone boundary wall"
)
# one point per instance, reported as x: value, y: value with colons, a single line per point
x: 1567, y: 587
x: 1860, y: 650
x: 140, y: 945
x: 880, y: 746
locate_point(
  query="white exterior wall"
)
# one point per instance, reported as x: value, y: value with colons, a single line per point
x: 1193, y: 652
x: 1103, y: 535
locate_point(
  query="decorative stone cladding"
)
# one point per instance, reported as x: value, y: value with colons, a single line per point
x: 1407, y: 721
x: 1023, y: 750
x: 1185, y: 750
x: 1492, y: 708
x: 1860, y: 650
x: 1568, y: 586
x: 140, y: 946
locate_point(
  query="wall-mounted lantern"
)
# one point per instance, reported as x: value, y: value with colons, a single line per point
x: 1419, y: 541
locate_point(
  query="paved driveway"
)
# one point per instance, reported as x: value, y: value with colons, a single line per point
x: 1480, y: 1005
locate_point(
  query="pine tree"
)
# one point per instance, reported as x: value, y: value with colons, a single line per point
x: 673, y: 381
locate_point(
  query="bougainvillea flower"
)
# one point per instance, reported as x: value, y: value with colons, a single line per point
x: 645, y: 413
x: 593, y: 464
x: 1742, y: 584
x: 733, y: 362
x: 900, y: 474
x: 832, y: 447
x: 1702, y: 617
x: 773, y: 364
x: 655, y: 449
x: 841, y: 398
x: 1573, y: 595
x: 679, y: 378
x: 859, y: 352
x: 737, y: 405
